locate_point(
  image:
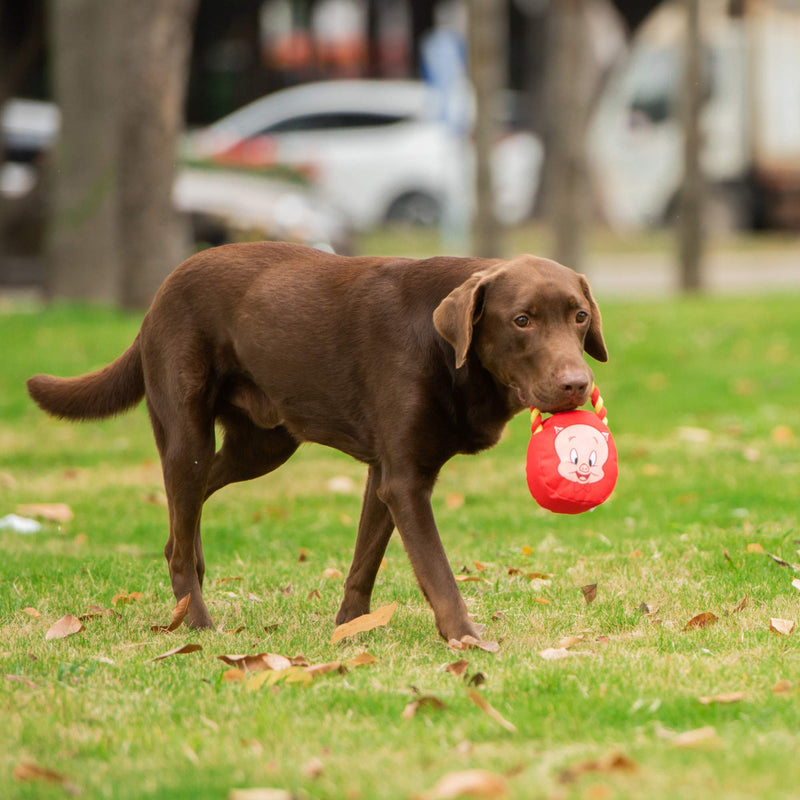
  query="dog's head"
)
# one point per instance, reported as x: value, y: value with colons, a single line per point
x: 528, y: 321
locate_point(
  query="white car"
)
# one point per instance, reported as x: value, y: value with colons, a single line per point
x: 377, y: 149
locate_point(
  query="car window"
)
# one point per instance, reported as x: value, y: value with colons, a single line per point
x: 333, y: 120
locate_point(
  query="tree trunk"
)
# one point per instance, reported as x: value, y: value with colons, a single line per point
x: 155, y: 70
x: 487, y: 57
x: 691, y: 207
x: 120, y: 71
x: 84, y: 246
x: 569, y: 193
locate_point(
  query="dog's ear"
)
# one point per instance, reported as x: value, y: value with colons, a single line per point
x: 455, y: 316
x: 594, y: 345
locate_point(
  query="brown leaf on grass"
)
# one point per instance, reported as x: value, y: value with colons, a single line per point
x: 470, y: 579
x: 783, y: 686
x: 361, y: 660
x: 795, y: 585
x: 782, y: 626
x: 27, y: 682
x: 52, y: 512
x: 779, y: 561
x: 479, y: 566
x: 467, y: 641
x: 178, y: 615
x: 93, y: 611
x: 66, y: 626
x: 454, y: 501
x: 257, y: 662
x: 366, y: 622
x: 742, y: 605
x: 722, y: 699
x: 218, y: 581
x: 32, y: 612
x: 488, y: 709
x: 30, y: 771
x: 457, y: 668
x: 613, y: 762
x: 314, y: 594
x: 126, y: 597
x: 313, y: 768
x: 260, y: 794
x: 701, y: 620
x: 568, y: 641
x: 526, y: 550
x: 543, y: 600
x: 179, y: 651
x: 469, y: 783
x: 589, y: 592
x: 555, y: 653
x: 696, y: 738
x: 234, y: 675
x: 331, y: 573
x: 323, y: 669
x: 302, y: 555
x: 754, y: 547
x: 646, y: 609
x: 423, y: 703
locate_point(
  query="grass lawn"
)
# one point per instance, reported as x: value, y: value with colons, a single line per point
x: 703, y: 402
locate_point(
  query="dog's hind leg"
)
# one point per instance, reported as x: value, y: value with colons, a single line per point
x: 374, y: 531
x: 186, y: 447
x: 248, y: 451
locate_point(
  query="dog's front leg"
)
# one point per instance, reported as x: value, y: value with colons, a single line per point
x: 374, y: 531
x: 408, y: 496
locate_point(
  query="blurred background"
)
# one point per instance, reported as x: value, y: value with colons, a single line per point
x: 653, y: 144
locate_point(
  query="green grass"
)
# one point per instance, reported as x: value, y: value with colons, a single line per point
x: 703, y: 401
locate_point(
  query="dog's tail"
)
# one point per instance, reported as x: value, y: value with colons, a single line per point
x: 108, y: 391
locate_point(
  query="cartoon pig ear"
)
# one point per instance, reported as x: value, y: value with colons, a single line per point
x: 606, y: 434
x: 557, y: 429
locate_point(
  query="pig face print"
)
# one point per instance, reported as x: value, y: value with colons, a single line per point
x: 582, y: 451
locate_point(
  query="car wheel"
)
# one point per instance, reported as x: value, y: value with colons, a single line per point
x: 415, y: 208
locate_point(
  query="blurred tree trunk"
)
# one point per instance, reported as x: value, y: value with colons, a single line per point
x: 119, y: 74
x: 487, y: 55
x: 568, y: 191
x: 691, y: 205
x: 156, y: 46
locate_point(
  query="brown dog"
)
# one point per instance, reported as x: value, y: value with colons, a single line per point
x: 400, y: 363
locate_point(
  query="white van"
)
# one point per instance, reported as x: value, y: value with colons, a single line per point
x: 750, y: 121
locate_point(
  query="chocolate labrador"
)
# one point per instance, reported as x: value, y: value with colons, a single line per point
x: 400, y: 363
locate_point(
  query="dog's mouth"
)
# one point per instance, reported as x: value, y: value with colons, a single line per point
x: 531, y: 399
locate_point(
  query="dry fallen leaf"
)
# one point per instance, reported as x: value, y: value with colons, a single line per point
x: 66, y: 626
x: 722, y: 699
x: 93, y: 611
x: 453, y: 501
x: 177, y: 651
x: 613, y: 762
x: 470, y: 579
x: 469, y: 783
x: 555, y: 653
x: 29, y: 771
x: 260, y: 794
x: 701, y: 620
x: 257, y: 662
x: 361, y: 660
x: 589, y: 592
x: 526, y: 550
x: 742, y: 605
x: 490, y: 710
x: 234, y: 675
x: 457, y: 668
x: 332, y: 573
x: 366, y: 622
x: 52, y: 512
x: 32, y: 612
x: 696, y: 738
x: 423, y: 703
x: 313, y: 768
x: 126, y: 597
x: 795, y: 585
x: 568, y: 641
x: 178, y: 615
x: 323, y: 669
x: 779, y: 561
x: 467, y: 641
x: 783, y: 626
x: 782, y: 686
x: 754, y: 547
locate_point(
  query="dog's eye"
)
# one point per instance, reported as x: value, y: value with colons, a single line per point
x: 521, y: 321
x: 581, y: 316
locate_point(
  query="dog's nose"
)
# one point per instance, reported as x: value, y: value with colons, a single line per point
x: 574, y: 383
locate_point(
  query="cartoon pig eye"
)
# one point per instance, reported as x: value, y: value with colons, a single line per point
x: 573, y: 456
x: 592, y: 458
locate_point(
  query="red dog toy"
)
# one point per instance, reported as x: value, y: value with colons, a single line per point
x: 572, y: 459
